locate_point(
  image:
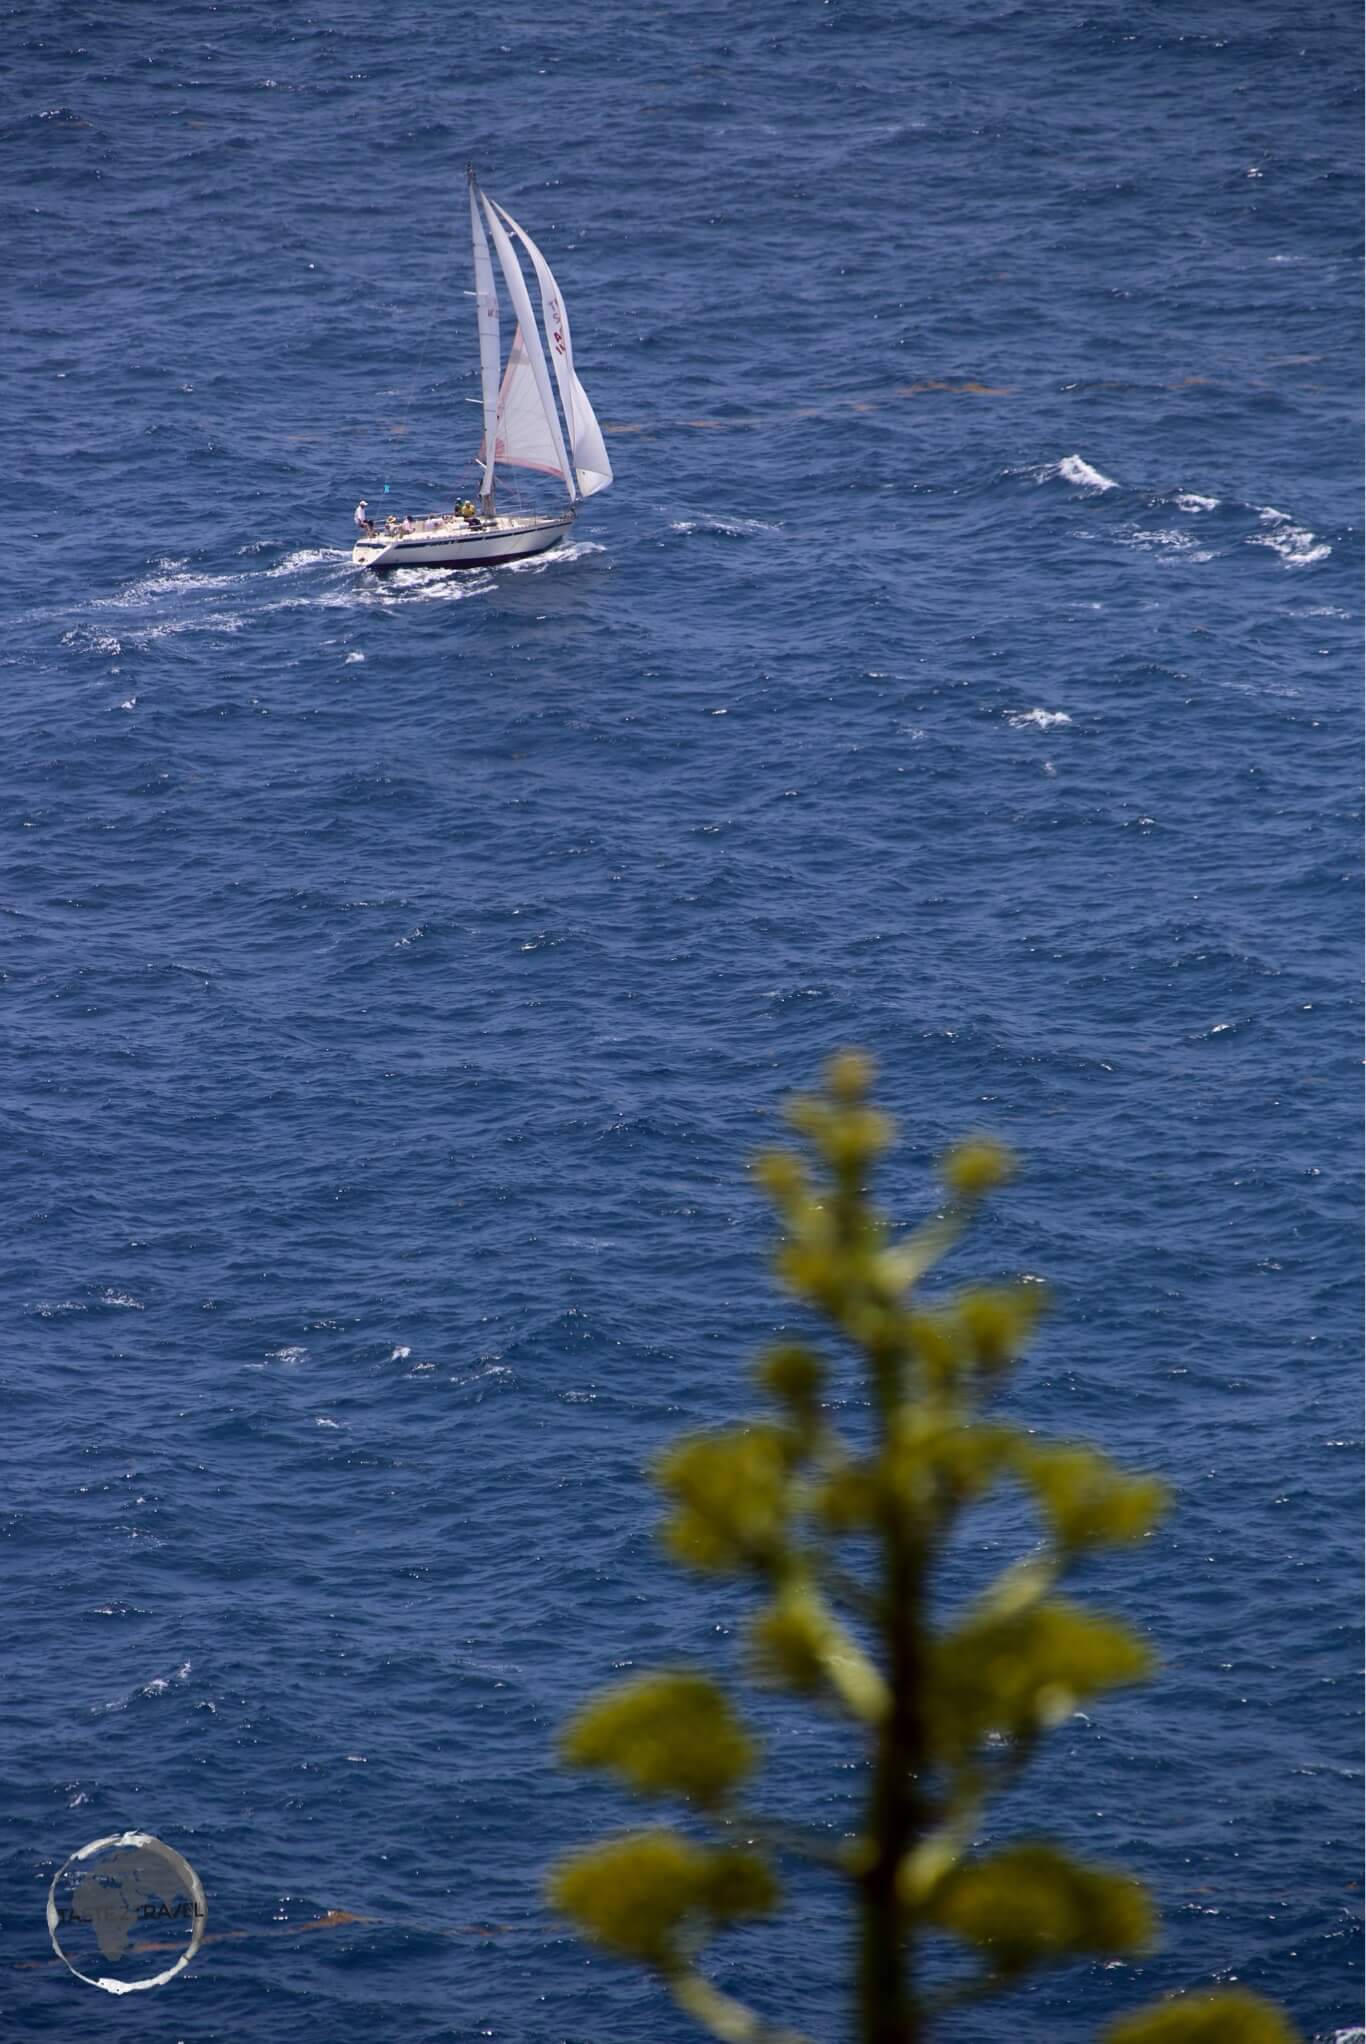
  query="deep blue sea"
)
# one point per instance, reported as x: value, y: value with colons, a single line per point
x: 398, y: 976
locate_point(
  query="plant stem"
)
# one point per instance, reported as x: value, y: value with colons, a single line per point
x: 889, y: 2011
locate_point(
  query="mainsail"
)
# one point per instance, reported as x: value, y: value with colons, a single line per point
x: 523, y: 438
x: 591, y: 467
x: 490, y: 352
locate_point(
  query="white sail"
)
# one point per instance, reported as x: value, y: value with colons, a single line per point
x: 525, y: 437
x: 522, y: 437
x: 490, y: 352
x: 591, y: 466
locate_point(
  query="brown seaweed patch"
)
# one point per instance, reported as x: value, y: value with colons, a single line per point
x: 932, y: 383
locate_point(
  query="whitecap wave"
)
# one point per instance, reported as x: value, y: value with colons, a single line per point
x: 1295, y: 544
x: 1041, y: 720
x: 1073, y: 469
x: 158, y: 1686
x: 1192, y: 501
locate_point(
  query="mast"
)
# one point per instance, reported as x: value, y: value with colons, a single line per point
x: 490, y: 361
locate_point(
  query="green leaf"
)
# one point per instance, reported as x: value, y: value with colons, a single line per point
x: 995, y: 1321
x: 1020, y: 1670
x: 664, y: 1735
x: 1031, y: 1905
x: 1231, y: 2016
x: 935, y: 1463
x: 636, y: 1894
x: 976, y: 1167
x: 846, y: 1500
x: 782, y: 1175
x: 1086, y: 1500
x: 795, y: 1376
x: 732, y: 1494
x: 800, y: 1645
x: 849, y: 1076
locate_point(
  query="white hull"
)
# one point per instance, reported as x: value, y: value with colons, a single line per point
x: 452, y: 542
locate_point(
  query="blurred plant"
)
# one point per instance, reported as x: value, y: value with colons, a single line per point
x: 947, y: 1714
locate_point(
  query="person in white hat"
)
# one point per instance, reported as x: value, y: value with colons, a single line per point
x: 363, y: 517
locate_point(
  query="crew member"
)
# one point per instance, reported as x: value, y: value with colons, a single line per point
x: 363, y: 517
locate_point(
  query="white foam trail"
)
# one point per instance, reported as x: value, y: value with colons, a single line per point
x: 1042, y: 720
x: 1295, y: 544
x: 174, y: 583
x: 1167, y: 543
x: 730, y: 528
x: 93, y: 640
x: 1073, y: 469
x: 308, y: 557
x: 556, y: 555
x: 172, y: 627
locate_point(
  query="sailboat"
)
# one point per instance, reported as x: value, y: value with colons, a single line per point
x: 522, y: 428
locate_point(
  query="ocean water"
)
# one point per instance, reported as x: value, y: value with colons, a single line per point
x: 397, y: 977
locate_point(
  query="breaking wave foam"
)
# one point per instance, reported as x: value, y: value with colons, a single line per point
x: 1295, y: 544
x: 1041, y: 720
x: 1072, y: 469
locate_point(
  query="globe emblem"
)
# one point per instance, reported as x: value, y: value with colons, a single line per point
x: 126, y: 1912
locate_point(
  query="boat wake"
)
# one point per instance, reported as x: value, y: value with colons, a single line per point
x: 725, y: 528
x: 175, y: 597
